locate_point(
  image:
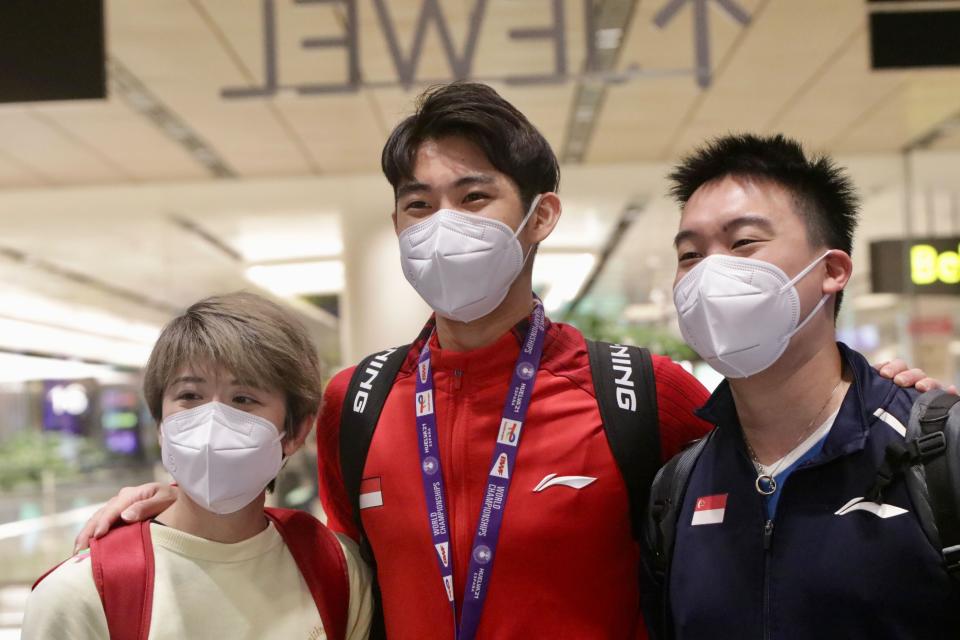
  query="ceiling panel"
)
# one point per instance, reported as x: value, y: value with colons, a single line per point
x: 642, y: 118
x: 746, y: 93
x: 922, y: 102
x: 13, y: 173
x: 123, y: 138
x: 56, y: 157
x: 839, y: 99
x: 799, y: 67
x: 171, y: 48
x: 341, y: 132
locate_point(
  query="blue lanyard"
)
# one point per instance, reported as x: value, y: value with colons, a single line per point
x: 502, y: 469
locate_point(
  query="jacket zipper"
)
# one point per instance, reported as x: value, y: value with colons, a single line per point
x: 767, y: 542
x: 460, y: 535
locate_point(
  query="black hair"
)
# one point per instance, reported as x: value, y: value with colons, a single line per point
x: 476, y: 112
x: 823, y: 193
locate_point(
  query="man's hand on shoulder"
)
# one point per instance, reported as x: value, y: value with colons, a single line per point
x: 132, y: 504
x: 903, y: 376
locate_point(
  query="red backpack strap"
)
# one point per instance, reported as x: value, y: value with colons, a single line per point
x: 319, y: 556
x: 123, y: 572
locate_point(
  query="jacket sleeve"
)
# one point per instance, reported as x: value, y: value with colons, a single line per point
x: 333, y: 494
x: 679, y: 394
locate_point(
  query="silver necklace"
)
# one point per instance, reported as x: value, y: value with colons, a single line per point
x: 765, y: 483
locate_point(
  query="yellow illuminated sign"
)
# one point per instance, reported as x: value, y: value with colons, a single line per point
x: 928, y: 265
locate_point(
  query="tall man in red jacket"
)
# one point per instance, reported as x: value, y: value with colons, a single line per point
x: 475, y: 194
x: 475, y: 187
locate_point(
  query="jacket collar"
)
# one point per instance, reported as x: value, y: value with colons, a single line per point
x: 868, y: 392
x: 494, y: 358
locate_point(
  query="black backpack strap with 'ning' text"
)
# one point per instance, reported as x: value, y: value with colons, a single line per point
x: 626, y: 391
x: 367, y: 392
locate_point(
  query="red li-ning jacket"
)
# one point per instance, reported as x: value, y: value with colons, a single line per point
x: 567, y: 565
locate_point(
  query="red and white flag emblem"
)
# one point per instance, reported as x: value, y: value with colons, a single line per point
x: 370, y: 494
x: 709, y: 509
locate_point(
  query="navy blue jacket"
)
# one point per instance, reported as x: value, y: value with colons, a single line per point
x: 810, y: 573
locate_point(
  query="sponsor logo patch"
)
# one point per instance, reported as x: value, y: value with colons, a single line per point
x: 883, y: 511
x: 424, y: 403
x: 553, y: 480
x: 443, y: 550
x: 501, y: 467
x: 509, y: 432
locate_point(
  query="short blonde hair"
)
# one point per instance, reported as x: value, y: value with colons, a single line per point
x: 258, y: 341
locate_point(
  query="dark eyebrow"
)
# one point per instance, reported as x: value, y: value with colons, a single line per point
x: 411, y: 187
x: 465, y: 181
x: 733, y: 225
x: 477, y: 178
x: 686, y: 234
x: 749, y: 221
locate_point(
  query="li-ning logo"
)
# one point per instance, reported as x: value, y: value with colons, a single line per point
x: 370, y: 374
x: 626, y: 396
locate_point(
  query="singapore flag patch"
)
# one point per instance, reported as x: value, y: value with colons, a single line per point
x: 709, y: 509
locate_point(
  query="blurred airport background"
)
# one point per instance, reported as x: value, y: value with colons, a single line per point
x: 153, y: 152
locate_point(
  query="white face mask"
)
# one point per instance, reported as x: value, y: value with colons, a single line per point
x: 739, y: 314
x: 462, y: 265
x: 222, y: 457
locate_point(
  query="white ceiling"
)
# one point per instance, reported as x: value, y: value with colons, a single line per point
x: 97, y: 200
x: 799, y: 67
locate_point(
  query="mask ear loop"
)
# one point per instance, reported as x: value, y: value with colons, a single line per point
x: 797, y: 278
x: 523, y: 223
x: 823, y: 299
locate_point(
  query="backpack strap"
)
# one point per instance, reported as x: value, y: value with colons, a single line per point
x: 367, y: 392
x: 929, y: 460
x: 123, y: 571
x: 322, y: 564
x: 659, y: 534
x: 626, y: 391
x: 941, y: 438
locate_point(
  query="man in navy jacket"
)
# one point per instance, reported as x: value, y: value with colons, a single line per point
x: 775, y: 538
